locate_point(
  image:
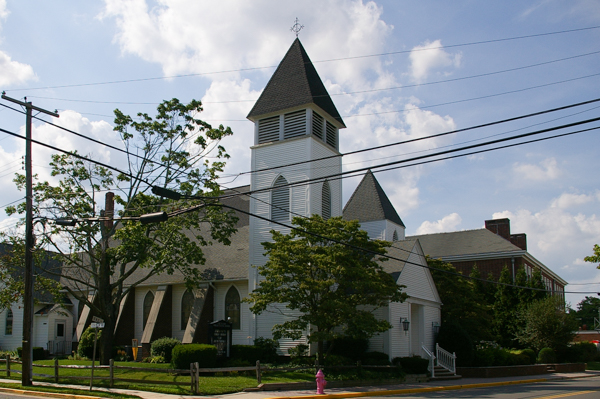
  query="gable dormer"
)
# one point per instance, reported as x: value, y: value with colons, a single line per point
x: 295, y: 104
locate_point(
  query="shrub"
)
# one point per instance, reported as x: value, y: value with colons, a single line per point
x: 453, y: 338
x: 268, y: 349
x: 413, y: 364
x: 376, y: 359
x: 184, y: 355
x: 163, y: 347
x: 353, y: 348
x: 247, y: 353
x: 546, y: 355
x: 580, y: 352
x: 530, y: 353
x: 337, y: 360
x: 38, y: 353
x: 86, y: 343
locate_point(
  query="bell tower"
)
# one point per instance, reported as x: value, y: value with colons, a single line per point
x: 295, y: 125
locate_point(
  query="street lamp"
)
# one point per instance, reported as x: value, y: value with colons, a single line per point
x: 405, y: 324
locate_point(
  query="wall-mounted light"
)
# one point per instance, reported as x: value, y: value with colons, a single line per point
x: 405, y: 324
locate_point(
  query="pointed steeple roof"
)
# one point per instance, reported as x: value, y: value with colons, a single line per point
x: 294, y: 83
x: 369, y: 203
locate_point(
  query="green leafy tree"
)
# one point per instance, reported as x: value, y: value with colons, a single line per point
x: 335, y: 286
x: 505, y: 309
x: 174, y: 150
x: 595, y: 258
x: 587, y: 310
x: 462, y: 302
x: 546, y: 324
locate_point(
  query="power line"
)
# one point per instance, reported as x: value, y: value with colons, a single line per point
x: 319, y: 61
x: 345, y: 93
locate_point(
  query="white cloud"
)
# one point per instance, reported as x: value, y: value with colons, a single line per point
x: 447, y: 223
x: 567, y: 200
x: 544, y: 171
x: 430, y: 57
x: 3, y: 10
x: 13, y: 72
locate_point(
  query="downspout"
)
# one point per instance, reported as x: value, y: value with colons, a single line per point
x: 512, y: 260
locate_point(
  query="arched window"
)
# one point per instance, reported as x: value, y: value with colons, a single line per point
x: 9, y: 323
x: 395, y: 236
x: 326, y: 201
x: 232, y: 308
x: 187, y: 301
x: 148, y: 299
x: 280, y: 200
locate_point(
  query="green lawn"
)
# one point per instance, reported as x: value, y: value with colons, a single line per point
x: 209, y: 385
x: 593, y: 366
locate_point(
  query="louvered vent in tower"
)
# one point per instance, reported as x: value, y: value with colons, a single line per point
x: 326, y: 201
x: 294, y: 124
x: 317, y: 125
x: 280, y: 200
x: 268, y: 130
x: 330, y: 135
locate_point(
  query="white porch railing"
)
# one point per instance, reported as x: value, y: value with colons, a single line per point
x: 431, y: 357
x: 445, y: 359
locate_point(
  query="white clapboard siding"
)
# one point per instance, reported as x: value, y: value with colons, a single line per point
x: 239, y: 337
x: 398, y: 340
x: 418, y: 280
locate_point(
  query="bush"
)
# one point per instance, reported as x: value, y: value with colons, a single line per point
x: 453, y: 338
x: 337, y: 360
x: 184, y: 355
x: 580, y: 352
x: 412, y: 365
x: 163, y: 347
x: 86, y: 343
x: 489, y: 353
x: 546, y: 355
x: 349, y: 347
x: 268, y: 349
x: 38, y: 353
x: 376, y: 359
x: 530, y: 353
x: 247, y: 353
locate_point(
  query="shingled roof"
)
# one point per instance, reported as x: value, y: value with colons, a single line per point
x: 464, y: 243
x: 369, y: 203
x: 294, y: 83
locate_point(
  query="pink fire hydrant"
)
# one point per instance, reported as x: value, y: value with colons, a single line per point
x: 321, y: 383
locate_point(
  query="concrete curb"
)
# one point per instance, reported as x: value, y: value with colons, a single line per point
x: 427, y: 389
x: 46, y: 394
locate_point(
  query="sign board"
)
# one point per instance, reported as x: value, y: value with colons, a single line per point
x: 220, y: 337
x: 97, y: 325
x: 97, y: 320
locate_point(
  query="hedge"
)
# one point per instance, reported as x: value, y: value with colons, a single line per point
x: 184, y: 355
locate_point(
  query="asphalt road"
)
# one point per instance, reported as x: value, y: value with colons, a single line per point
x: 584, y: 388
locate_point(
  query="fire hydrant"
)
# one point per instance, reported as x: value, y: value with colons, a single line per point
x: 321, y: 383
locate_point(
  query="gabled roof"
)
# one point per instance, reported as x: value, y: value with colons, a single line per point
x: 369, y: 203
x: 464, y: 243
x: 294, y: 83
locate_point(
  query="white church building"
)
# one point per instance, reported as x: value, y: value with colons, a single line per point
x: 295, y: 122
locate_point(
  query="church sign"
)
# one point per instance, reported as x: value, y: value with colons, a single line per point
x: 220, y: 337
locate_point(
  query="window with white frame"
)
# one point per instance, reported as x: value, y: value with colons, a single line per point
x: 187, y: 301
x: 232, y: 308
x: 8, y: 328
x: 280, y: 200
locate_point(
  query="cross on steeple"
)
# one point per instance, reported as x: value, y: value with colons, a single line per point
x: 296, y: 28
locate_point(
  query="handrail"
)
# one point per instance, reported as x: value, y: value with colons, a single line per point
x: 431, y: 357
x: 445, y: 358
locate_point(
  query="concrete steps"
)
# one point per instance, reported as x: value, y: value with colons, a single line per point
x: 442, y: 374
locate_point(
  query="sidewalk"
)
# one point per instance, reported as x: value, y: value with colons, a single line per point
x: 347, y: 392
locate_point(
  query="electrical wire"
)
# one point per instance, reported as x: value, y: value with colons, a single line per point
x: 319, y: 61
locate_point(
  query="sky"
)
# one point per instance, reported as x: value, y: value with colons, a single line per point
x: 396, y: 70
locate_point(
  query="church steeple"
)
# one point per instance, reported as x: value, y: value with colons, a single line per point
x: 295, y: 83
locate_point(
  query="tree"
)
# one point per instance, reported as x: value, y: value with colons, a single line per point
x: 505, y: 309
x: 469, y: 309
x: 336, y: 286
x: 595, y: 258
x: 587, y: 310
x: 174, y: 150
x: 546, y: 324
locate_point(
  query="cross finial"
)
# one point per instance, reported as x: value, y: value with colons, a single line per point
x: 296, y: 28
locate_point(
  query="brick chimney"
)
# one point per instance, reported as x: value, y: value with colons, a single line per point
x: 501, y: 227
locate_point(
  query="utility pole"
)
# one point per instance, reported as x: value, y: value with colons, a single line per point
x: 27, y: 345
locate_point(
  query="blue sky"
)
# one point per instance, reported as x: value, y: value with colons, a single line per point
x: 54, y: 52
